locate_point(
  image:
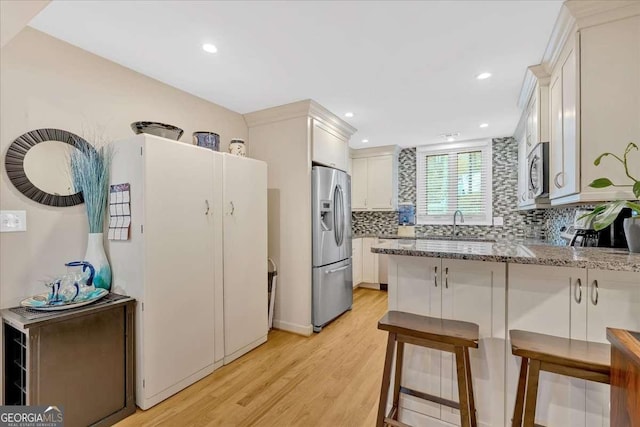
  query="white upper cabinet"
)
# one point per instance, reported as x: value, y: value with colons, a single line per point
x: 374, y: 179
x: 564, y: 173
x: 609, y: 104
x: 329, y: 147
x: 380, y: 182
x: 359, y: 180
x: 593, y: 103
x: 532, y: 130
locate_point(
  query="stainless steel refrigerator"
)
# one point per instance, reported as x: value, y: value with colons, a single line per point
x: 332, y: 292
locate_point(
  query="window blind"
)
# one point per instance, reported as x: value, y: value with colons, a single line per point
x: 454, y: 177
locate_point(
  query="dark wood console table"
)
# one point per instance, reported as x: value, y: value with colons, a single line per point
x: 81, y: 359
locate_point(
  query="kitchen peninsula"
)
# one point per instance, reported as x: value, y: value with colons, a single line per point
x: 564, y: 291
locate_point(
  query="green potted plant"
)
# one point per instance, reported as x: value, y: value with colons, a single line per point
x: 603, y: 215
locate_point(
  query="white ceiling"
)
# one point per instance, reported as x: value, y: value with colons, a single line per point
x: 406, y: 69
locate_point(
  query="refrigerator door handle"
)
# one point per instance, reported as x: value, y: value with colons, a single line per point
x: 342, y: 215
x: 336, y: 217
x: 335, y: 270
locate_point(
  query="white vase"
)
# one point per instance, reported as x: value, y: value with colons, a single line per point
x: 98, y: 259
x: 632, y: 233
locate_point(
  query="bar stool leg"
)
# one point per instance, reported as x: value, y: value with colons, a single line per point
x: 522, y: 384
x: 398, y: 379
x: 386, y: 380
x: 532, y: 393
x: 463, y: 391
x: 472, y: 403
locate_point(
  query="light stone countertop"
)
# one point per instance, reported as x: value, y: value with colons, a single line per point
x: 515, y: 252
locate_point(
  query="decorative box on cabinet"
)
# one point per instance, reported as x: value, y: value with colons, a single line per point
x: 374, y: 179
x: 81, y: 360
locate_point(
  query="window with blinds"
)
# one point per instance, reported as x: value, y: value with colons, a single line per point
x: 454, y: 177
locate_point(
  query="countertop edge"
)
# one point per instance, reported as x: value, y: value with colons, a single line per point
x: 600, y: 265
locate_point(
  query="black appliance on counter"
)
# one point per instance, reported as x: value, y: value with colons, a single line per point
x: 581, y: 232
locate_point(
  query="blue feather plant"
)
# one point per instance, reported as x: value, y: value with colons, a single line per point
x: 90, y: 175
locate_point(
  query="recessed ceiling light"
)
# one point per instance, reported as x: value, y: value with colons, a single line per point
x: 208, y: 47
x: 483, y: 76
x: 349, y: 114
x: 451, y: 139
x: 484, y: 125
x: 365, y: 141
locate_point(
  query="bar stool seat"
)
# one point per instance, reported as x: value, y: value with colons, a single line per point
x: 585, y: 360
x: 452, y: 336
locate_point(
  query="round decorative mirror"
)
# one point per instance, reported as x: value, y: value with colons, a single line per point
x: 37, y: 164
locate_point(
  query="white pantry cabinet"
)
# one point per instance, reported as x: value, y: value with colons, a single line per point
x: 245, y: 255
x: 356, y: 261
x: 186, y: 262
x: 330, y: 147
x: 374, y: 179
x: 471, y: 291
x: 172, y: 262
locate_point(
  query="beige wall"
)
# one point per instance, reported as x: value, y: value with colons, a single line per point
x: 284, y: 145
x: 45, y: 82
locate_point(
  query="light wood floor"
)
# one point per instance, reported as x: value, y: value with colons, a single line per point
x: 329, y: 379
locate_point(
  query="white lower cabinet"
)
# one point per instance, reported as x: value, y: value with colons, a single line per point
x: 539, y: 301
x: 612, y: 300
x: 461, y: 290
x: 356, y: 261
x: 369, y: 261
x: 575, y: 303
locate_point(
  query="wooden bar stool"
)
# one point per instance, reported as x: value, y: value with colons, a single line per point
x: 586, y: 360
x: 441, y: 334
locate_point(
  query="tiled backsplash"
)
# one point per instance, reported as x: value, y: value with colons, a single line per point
x: 517, y: 224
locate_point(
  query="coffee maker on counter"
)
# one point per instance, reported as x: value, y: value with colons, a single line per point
x: 582, y: 233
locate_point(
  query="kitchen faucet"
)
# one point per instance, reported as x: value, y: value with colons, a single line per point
x: 455, y: 214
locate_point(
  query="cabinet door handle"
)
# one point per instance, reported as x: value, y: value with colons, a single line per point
x: 206, y: 202
x: 594, y: 292
x: 555, y: 180
x: 577, y: 293
x: 435, y: 276
x: 446, y: 277
x: 233, y: 208
x: 365, y: 202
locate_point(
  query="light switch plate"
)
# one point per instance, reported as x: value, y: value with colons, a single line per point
x: 13, y: 221
x: 498, y: 221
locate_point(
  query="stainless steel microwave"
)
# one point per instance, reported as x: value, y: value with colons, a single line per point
x: 538, y: 171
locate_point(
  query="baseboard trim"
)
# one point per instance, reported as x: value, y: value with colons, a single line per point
x: 244, y: 350
x: 146, y: 403
x: 369, y: 285
x: 305, y: 330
